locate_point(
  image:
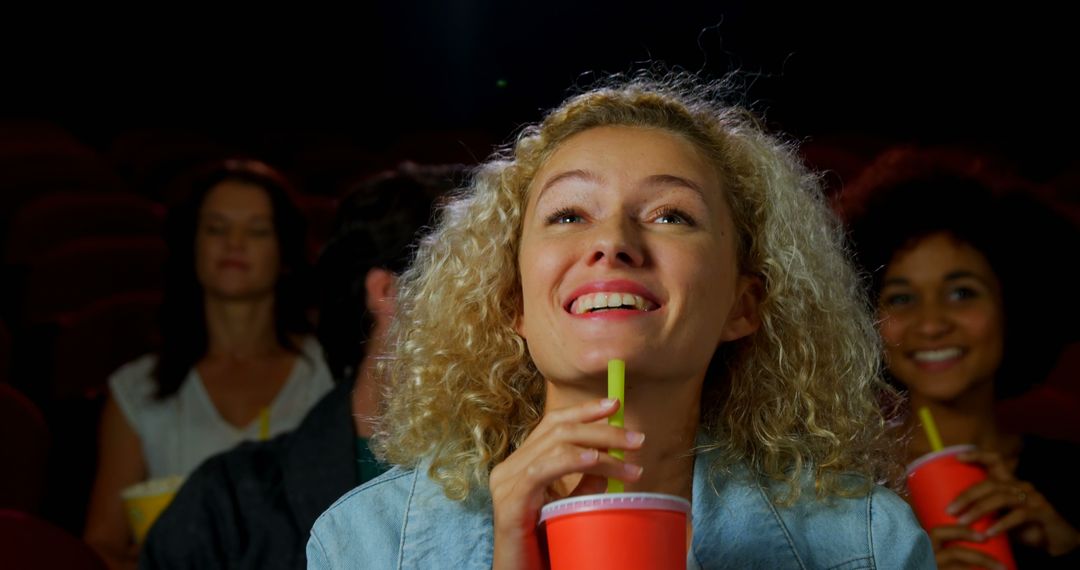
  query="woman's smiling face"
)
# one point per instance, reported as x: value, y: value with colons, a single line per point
x: 628, y: 251
x: 942, y: 318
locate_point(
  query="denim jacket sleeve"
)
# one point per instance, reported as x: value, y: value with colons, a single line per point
x: 896, y: 538
x: 362, y: 529
x: 402, y: 520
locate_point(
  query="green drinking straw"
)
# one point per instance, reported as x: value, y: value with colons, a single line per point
x: 616, y: 390
x: 931, y: 429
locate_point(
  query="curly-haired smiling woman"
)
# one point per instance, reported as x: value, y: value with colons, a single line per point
x: 645, y: 221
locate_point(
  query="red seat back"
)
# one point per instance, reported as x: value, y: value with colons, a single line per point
x: 24, y: 452
x: 56, y: 218
x: 91, y: 344
x: 30, y: 543
x: 74, y: 275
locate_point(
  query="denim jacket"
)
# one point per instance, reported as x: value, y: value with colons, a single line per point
x: 402, y: 520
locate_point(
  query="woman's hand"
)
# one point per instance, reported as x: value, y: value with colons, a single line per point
x: 1020, y: 508
x: 567, y: 441
x: 958, y: 557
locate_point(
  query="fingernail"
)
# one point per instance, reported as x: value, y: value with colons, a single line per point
x: 635, y: 437
x: 963, y: 519
x: 590, y: 455
x: 951, y: 510
x: 978, y: 536
x: 633, y: 470
x: 608, y: 403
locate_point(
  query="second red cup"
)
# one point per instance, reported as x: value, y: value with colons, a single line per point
x: 935, y: 480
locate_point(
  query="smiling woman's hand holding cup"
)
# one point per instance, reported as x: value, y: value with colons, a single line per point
x: 567, y: 442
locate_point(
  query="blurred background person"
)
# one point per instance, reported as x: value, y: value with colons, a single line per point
x: 236, y: 360
x: 964, y: 273
x: 254, y: 506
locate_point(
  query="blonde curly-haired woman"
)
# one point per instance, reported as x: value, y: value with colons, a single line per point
x: 643, y: 220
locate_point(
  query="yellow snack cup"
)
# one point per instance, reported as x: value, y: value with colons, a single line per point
x: 145, y: 501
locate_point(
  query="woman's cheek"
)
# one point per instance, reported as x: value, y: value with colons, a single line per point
x: 891, y: 328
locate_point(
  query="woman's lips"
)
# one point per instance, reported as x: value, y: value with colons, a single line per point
x: 613, y: 296
x: 233, y: 264
x: 604, y: 301
x: 936, y: 359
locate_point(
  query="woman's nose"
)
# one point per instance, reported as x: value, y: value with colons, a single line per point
x: 236, y: 238
x: 933, y: 321
x: 617, y: 242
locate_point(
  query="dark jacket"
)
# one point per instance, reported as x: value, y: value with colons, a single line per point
x: 254, y: 506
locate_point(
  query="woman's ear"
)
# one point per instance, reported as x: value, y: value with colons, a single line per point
x: 745, y: 316
x: 380, y: 289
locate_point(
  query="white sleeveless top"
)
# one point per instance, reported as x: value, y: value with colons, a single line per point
x: 181, y: 431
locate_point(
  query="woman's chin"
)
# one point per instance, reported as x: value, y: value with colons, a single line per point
x: 588, y: 369
x: 238, y: 292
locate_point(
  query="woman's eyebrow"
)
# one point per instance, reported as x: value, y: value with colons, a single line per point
x: 226, y: 215
x: 673, y: 180
x: 588, y: 176
x: 965, y: 274
x: 576, y: 174
x: 951, y: 276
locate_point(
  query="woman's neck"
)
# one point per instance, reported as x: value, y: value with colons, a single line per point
x: 667, y: 413
x: 968, y: 419
x: 240, y: 329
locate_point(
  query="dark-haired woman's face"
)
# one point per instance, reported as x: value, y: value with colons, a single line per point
x: 942, y: 319
x: 236, y: 247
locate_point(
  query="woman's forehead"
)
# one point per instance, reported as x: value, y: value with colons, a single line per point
x: 598, y: 154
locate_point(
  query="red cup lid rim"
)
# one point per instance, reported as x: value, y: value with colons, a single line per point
x: 951, y: 450
x: 615, y: 501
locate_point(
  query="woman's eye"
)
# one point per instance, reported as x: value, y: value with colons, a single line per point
x: 214, y: 229
x: 259, y: 232
x: 564, y: 216
x: 897, y: 300
x: 963, y: 294
x: 673, y: 216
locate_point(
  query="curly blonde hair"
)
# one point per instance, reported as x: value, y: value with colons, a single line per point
x: 802, y: 393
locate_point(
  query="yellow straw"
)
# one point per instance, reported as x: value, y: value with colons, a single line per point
x: 931, y: 429
x: 616, y: 390
x: 264, y: 424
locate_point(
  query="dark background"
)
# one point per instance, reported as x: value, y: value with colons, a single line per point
x: 273, y: 80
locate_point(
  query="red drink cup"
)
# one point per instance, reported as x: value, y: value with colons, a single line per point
x: 617, y: 531
x: 936, y: 480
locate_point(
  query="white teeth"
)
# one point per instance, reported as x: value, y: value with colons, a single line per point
x: 588, y: 302
x: 939, y: 355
